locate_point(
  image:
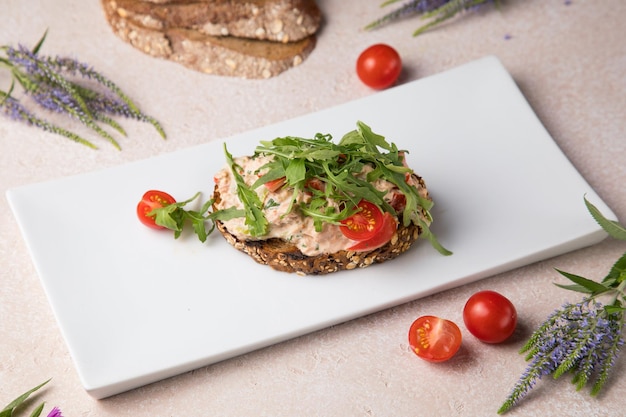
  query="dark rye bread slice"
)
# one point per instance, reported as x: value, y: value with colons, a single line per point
x: 275, y: 20
x: 226, y: 56
x: 285, y: 257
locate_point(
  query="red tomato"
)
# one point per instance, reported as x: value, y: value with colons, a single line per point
x: 364, y: 224
x: 315, y: 184
x: 490, y: 316
x: 379, y: 66
x: 398, y: 202
x: 275, y: 185
x: 434, y: 339
x: 151, y: 200
x: 384, y: 235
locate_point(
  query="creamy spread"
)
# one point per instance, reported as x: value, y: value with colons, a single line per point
x: 292, y: 227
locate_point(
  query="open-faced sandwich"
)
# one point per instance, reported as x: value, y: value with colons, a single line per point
x: 312, y: 206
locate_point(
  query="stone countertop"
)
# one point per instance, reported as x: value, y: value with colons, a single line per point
x: 567, y: 57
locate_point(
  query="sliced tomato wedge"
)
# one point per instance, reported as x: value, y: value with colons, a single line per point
x: 434, y: 339
x: 275, y: 185
x: 364, y: 224
x: 380, y: 238
x: 315, y: 184
x: 398, y: 201
x: 151, y: 200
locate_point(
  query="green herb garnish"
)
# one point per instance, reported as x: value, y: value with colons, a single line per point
x: 255, y: 219
x: 340, y: 167
x: 174, y: 216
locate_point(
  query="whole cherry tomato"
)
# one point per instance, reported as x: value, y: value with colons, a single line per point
x: 434, y: 339
x: 490, y: 316
x: 151, y: 200
x: 379, y: 66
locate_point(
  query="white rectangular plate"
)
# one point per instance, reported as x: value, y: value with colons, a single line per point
x: 136, y: 306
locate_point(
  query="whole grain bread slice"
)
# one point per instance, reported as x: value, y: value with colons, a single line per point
x: 284, y: 256
x: 218, y: 55
x: 275, y: 20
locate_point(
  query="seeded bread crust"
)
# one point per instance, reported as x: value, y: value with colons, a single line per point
x: 217, y: 55
x: 275, y: 20
x: 285, y: 257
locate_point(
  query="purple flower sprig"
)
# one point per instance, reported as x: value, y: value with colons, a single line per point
x: 584, y: 338
x: 435, y: 11
x: 53, y: 84
x: 14, y: 406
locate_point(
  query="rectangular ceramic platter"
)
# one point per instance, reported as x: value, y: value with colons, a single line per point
x: 136, y: 306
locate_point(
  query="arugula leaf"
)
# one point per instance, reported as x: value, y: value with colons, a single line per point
x: 434, y: 242
x: 296, y: 171
x: 340, y: 167
x: 255, y: 219
x: 173, y: 217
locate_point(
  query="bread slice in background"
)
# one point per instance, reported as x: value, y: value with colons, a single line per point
x: 275, y: 20
x: 218, y: 55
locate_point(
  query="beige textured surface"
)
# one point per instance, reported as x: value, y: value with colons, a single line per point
x: 570, y: 62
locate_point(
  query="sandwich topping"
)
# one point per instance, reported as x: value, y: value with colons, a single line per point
x: 321, y: 196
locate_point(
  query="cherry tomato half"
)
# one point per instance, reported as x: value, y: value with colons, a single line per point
x: 151, y: 200
x: 384, y: 235
x: 434, y: 339
x: 490, y: 316
x: 364, y: 224
x: 379, y: 66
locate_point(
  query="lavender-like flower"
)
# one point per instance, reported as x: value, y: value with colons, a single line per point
x: 583, y: 338
x: 437, y: 11
x: 45, y: 80
x: 16, y: 111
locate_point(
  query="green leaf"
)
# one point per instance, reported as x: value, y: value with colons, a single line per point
x: 8, y: 410
x: 40, y: 43
x: 174, y: 216
x: 168, y: 217
x: 574, y: 287
x: 296, y: 171
x: 617, y: 274
x: 227, y: 214
x: 613, y: 228
x: 37, y: 411
x: 433, y: 239
x: 611, y: 309
x: 255, y: 219
x: 593, y: 287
